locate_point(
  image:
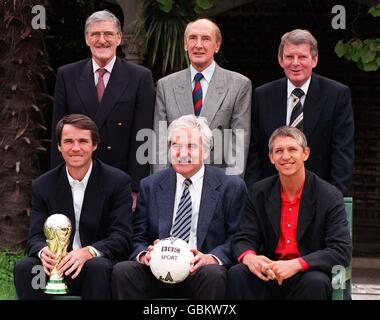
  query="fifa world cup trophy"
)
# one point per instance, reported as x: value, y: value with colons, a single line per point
x: 57, y: 230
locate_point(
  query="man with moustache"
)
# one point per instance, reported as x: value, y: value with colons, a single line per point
x: 192, y: 201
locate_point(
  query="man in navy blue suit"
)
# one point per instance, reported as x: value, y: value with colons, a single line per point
x: 326, y: 119
x: 118, y: 95
x: 216, y: 202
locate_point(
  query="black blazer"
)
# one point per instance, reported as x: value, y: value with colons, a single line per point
x: 222, y: 202
x: 127, y: 106
x: 105, y: 221
x: 322, y: 232
x: 328, y: 126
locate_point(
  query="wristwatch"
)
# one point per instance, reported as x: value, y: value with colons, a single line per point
x: 92, y: 251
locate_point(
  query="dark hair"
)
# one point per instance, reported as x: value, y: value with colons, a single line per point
x: 79, y: 121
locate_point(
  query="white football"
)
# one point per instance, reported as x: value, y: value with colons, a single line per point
x: 171, y: 260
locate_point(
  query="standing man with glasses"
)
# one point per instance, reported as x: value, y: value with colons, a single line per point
x: 205, y: 89
x: 209, y: 204
x: 318, y: 106
x: 116, y: 94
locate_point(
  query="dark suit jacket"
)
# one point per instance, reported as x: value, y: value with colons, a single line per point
x: 105, y: 220
x: 222, y: 201
x: 127, y: 106
x: 328, y: 126
x: 322, y: 232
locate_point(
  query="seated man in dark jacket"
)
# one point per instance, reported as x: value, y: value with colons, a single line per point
x: 97, y: 200
x: 293, y: 231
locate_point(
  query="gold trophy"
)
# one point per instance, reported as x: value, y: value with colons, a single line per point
x: 57, y: 230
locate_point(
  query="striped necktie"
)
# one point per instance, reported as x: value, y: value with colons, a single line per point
x: 296, y: 118
x: 182, y: 223
x: 197, y: 94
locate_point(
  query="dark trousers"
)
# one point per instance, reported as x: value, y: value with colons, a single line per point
x: 308, y: 285
x: 132, y: 281
x: 93, y: 282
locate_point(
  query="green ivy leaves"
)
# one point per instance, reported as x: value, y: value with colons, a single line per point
x: 366, y: 54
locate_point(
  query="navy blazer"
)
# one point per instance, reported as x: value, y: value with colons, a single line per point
x: 222, y: 202
x: 106, y: 216
x: 322, y: 232
x: 127, y: 106
x: 328, y: 126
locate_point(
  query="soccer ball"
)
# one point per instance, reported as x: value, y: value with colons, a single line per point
x: 171, y: 260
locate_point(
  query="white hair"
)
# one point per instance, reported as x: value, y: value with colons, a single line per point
x: 103, y: 15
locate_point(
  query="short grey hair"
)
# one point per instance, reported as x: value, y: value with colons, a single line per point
x: 287, y: 131
x: 296, y: 37
x: 191, y: 121
x: 103, y: 15
x: 216, y: 27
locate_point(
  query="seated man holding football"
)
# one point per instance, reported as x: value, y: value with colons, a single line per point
x: 192, y: 201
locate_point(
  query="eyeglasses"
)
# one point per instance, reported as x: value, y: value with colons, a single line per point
x: 106, y: 34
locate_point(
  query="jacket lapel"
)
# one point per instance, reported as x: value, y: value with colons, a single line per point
x: 209, y: 200
x: 216, y: 92
x: 306, y: 211
x: 183, y: 95
x: 312, y: 106
x: 87, y: 90
x: 65, y: 200
x: 92, y: 202
x: 165, y: 203
x: 273, y: 207
x: 117, y: 84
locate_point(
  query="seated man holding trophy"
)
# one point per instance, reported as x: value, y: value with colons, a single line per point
x: 88, y: 197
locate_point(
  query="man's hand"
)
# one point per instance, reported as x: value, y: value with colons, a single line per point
x: 259, y: 265
x: 284, y: 269
x: 144, y: 257
x: 73, y: 262
x: 48, y: 260
x: 200, y: 259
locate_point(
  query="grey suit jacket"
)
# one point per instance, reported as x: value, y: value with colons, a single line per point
x: 227, y: 105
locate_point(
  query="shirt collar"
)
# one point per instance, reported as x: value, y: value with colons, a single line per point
x: 84, y: 181
x: 194, y: 179
x: 207, y: 73
x: 108, y: 67
x: 304, y: 87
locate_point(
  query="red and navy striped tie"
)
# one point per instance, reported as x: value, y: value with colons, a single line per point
x: 197, y: 94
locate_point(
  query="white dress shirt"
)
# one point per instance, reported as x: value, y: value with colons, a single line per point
x: 291, y: 87
x: 205, y: 81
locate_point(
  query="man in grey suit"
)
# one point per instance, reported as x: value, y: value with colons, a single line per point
x: 213, y: 205
x: 223, y: 97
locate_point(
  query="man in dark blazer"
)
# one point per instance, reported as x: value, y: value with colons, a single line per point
x: 327, y: 115
x: 293, y: 231
x: 121, y: 102
x: 215, y: 208
x: 97, y: 200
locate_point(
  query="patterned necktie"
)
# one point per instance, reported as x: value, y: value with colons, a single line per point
x: 182, y: 223
x: 197, y: 94
x: 100, y: 85
x: 296, y: 119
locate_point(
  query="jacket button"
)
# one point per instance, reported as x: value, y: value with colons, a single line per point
x: 109, y: 147
x: 119, y: 124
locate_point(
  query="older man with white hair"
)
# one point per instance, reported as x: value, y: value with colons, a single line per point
x: 213, y: 205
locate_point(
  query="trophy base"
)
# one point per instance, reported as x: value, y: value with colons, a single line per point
x: 56, y: 287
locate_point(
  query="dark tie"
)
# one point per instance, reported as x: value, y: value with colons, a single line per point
x: 296, y: 119
x: 100, y: 84
x: 182, y: 222
x: 197, y: 94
